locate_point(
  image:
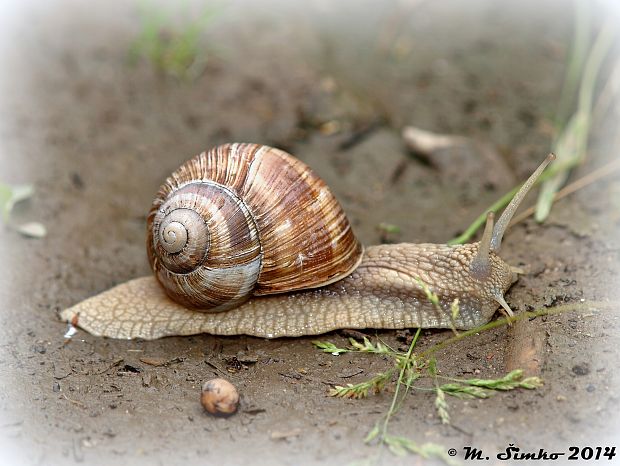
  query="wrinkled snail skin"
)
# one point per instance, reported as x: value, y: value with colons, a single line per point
x: 252, y: 231
x: 381, y: 293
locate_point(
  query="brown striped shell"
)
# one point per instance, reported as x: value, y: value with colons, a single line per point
x: 242, y: 220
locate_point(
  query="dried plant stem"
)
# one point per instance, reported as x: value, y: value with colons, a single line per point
x: 401, y: 376
x: 526, y: 347
x: 584, y: 306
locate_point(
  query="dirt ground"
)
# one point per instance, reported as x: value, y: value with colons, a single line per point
x: 334, y: 83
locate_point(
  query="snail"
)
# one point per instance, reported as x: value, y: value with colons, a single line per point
x: 219, y: 397
x: 246, y: 239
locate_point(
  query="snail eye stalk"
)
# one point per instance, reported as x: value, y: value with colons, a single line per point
x: 504, y: 220
x: 480, y: 267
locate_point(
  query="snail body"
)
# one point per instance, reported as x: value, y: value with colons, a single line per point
x: 250, y: 230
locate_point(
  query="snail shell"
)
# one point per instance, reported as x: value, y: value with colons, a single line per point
x: 242, y: 220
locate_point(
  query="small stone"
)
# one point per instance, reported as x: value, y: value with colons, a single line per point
x: 128, y: 368
x: 590, y: 388
x: 56, y: 387
x: 581, y: 369
x: 40, y: 348
x: 76, y: 180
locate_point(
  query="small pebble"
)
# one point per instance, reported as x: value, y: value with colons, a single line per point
x: 581, y: 369
x: 219, y: 397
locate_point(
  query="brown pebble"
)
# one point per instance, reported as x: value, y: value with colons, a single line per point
x: 219, y: 397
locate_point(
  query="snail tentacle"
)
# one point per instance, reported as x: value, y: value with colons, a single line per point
x: 481, y: 266
x: 502, y: 224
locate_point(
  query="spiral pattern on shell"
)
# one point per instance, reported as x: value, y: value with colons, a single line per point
x: 245, y: 219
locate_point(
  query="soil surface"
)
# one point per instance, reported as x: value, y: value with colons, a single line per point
x: 334, y: 83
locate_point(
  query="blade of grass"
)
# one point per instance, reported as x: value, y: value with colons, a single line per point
x: 581, y: 42
x: 584, y: 306
x: 572, y: 141
x: 395, y: 399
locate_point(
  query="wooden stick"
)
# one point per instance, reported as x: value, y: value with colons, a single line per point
x: 526, y: 349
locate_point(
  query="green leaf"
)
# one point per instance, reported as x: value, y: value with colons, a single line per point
x: 11, y: 195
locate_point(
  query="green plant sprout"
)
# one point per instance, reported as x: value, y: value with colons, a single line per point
x: 173, y: 49
x: 10, y: 195
x: 413, y: 367
x: 572, y: 131
x: 410, y: 368
x: 571, y: 141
